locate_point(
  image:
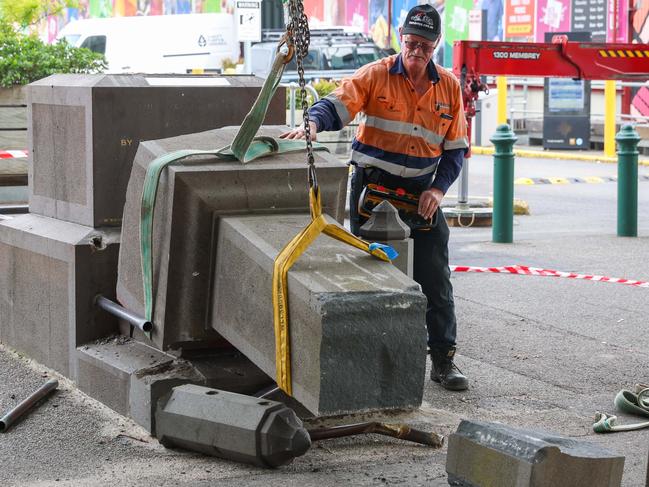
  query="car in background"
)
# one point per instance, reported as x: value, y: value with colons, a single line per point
x: 333, y: 54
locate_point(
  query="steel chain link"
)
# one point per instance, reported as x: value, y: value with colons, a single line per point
x: 300, y: 36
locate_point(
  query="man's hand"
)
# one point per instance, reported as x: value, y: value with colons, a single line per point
x: 299, y: 133
x: 429, y: 201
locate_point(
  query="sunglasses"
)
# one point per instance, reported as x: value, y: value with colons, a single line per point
x: 426, y: 47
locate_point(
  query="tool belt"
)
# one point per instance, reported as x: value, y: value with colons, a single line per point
x: 380, y: 186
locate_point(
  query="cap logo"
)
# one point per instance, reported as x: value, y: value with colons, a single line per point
x: 422, y: 18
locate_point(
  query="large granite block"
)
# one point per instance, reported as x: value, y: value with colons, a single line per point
x: 190, y: 195
x: 84, y: 131
x: 491, y: 454
x: 50, y: 273
x: 357, y: 324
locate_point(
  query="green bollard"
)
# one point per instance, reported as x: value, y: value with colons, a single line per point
x: 503, y: 210
x: 627, y: 181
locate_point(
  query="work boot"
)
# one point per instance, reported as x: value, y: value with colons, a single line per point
x: 445, y: 371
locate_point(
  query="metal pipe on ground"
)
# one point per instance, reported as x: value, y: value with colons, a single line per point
x: 401, y: 431
x: 121, y: 312
x: 266, y: 391
x: 13, y: 209
x: 14, y: 414
x: 396, y: 430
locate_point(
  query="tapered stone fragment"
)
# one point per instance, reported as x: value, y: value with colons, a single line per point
x: 491, y: 454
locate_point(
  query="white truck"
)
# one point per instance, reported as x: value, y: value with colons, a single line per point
x: 158, y: 43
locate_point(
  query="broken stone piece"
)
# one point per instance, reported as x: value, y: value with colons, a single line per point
x: 491, y: 454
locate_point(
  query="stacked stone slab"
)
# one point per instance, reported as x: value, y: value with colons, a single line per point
x: 213, y: 271
x: 50, y: 272
x: 83, y: 136
x: 84, y: 131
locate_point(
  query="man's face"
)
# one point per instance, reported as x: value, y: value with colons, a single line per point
x: 417, y: 51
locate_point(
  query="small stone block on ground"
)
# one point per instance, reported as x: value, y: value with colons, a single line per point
x: 491, y: 454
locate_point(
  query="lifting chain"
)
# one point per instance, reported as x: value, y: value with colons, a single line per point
x: 300, y: 36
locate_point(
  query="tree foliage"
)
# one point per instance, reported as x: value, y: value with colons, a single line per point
x: 28, y: 12
x: 25, y: 58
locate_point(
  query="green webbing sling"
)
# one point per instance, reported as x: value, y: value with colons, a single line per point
x: 245, y: 148
x: 242, y: 146
x: 627, y: 402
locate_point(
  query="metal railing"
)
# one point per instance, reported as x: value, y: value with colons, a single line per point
x: 292, y: 88
x: 518, y: 104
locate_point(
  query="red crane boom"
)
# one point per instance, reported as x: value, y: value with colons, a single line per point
x: 559, y: 59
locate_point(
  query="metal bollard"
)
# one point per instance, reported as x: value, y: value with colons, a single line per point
x: 627, y: 181
x: 503, y: 211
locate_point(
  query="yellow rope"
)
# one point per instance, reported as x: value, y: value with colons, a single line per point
x: 283, y: 262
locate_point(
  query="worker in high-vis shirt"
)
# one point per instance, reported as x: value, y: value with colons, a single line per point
x: 412, y: 136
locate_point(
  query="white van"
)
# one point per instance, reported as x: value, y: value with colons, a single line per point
x: 158, y: 43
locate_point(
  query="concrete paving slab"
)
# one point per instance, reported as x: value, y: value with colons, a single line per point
x: 537, y: 349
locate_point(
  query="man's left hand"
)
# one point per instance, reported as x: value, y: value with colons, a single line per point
x: 429, y: 201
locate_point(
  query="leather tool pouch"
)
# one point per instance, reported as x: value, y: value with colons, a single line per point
x: 380, y: 186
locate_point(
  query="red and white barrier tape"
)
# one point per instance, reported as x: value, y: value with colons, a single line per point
x: 535, y: 271
x: 13, y: 154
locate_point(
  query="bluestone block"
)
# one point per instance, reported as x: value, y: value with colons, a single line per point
x: 50, y: 273
x: 130, y: 377
x: 357, y: 325
x: 191, y: 197
x: 490, y: 454
x: 84, y: 131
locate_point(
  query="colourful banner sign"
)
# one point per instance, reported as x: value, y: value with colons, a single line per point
x: 552, y: 16
x: 494, y: 13
x: 456, y: 25
x: 314, y: 10
x: 618, y: 25
x: 519, y: 18
x: 101, y: 8
x: 590, y: 16
x: 356, y: 12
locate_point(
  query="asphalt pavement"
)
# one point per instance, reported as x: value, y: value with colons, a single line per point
x: 543, y: 353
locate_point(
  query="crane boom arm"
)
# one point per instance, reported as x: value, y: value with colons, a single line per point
x: 579, y: 60
x: 558, y: 59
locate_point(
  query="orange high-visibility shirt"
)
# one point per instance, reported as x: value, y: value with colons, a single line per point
x: 400, y: 131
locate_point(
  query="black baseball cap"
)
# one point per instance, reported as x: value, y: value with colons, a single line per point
x: 424, y: 21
